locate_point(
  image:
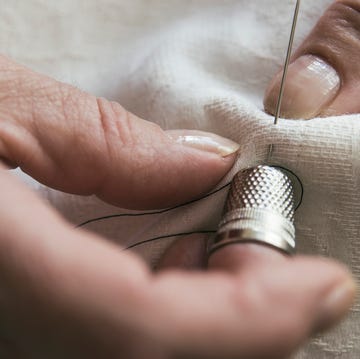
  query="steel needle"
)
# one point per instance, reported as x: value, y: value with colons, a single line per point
x: 285, y: 71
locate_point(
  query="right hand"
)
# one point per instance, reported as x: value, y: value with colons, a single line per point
x: 324, y: 74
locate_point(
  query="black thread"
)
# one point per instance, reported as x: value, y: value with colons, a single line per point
x: 151, y: 213
x: 176, y: 207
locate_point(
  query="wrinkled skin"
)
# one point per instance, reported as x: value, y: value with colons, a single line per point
x: 66, y: 293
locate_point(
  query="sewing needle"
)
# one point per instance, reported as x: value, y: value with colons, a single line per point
x: 285, y: 71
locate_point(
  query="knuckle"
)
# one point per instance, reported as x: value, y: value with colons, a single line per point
x: 337, y: 36
x: 343, y: 15
x: 351, y: 4
x: 346, y: 15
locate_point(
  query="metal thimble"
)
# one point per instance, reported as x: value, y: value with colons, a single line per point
x: 260, y: 208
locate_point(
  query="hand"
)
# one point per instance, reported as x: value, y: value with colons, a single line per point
x: 74, y: 142
x: 65, y: 293
x: 324, y: 76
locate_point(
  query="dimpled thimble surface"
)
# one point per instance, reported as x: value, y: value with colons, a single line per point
x: 260, y: 208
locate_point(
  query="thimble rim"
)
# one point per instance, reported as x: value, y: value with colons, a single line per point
x: 285, y: 250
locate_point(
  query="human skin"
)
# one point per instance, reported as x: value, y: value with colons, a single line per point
x: 324, y: 74
x: 67, y: 293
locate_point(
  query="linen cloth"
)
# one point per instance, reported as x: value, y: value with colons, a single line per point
x: 201, y: 65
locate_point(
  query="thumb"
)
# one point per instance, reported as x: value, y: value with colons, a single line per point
x: 324, y: 75
x: 322, y: 298
x: 72, y: 141
x: 253, y: 302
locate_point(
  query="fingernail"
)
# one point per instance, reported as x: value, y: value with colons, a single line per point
x: 311, y: 85
x: 204, y: 141
x: 336, y: 304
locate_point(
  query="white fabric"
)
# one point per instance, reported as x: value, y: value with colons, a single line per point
x: 204, y: 65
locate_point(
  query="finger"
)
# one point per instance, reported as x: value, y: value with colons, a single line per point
x: 250, y: 258
x: 188, y: 253
x: 62, y: 290
x: 74, y: 142
x: 261, y: 307
x: 239, y: 257
x: 324, y: 76
x: 56, y: 276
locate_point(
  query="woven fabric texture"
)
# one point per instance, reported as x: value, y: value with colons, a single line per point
x: 204, y: 65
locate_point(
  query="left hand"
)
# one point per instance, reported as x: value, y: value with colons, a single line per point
x: 75, y: 142
x: 66, y: 293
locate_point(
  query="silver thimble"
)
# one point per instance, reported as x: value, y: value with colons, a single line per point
x: 260, y: 208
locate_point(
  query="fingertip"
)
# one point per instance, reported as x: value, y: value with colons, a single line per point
x: 323, y: 78
x: 321, y: 290
x: 324, y: 288
x: 311, y: 85
x: 336, y: 304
